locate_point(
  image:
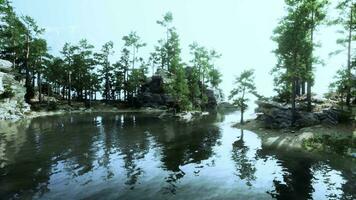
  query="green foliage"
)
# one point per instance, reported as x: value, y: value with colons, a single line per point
x: 329, y: 143
x: 202, y: 74
x: 347, y: 20
x: 80, y: 72
x: 52, y: 106
x: 106, y: 72
x: 8, y: 93
x: 244, y: 85
x: 294, y: 38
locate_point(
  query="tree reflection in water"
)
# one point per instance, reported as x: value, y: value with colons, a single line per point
x: 126, y: 155
x: 133, y: 144
x: 245, y: 166
x: 182, y: 144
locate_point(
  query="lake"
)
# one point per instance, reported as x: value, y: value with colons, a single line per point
x: 139, y: 156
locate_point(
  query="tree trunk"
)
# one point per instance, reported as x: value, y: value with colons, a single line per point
x: 303, y: 87
x: 297, y: 87
x: 348, y: 90
x: 293, y: 101
x: 64, y: 92
x: 69, y: 89
x: 310, y: 67
x: 28, y: 78
x: 39, y: 83
x: 48, y: 90
x: 242, y: 116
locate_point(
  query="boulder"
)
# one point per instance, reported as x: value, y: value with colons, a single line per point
x: 12, y: 102
x: 5, y: 65
x: 2, y: 89
x: 152, y: 93
x: 212, y: 102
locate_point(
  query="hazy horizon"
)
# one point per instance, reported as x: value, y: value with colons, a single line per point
x: 240, y: 30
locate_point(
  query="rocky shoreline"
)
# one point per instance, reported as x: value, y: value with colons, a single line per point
x: 339, y: 139
x: 152, y: 99
x: 274, y: 115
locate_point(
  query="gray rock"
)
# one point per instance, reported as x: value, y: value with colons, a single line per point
x: 277, y: 116
x: 13, y: 107
x: 152, y: 93
x: 212, y: 102
x: 5, y: 65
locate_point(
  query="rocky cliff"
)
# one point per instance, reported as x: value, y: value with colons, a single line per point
x: 12, y: 92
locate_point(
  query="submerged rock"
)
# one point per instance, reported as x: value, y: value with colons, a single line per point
x: 190, y: 116
x: 12, y: 102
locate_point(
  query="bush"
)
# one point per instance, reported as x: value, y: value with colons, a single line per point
x: 330, y: 144
x: 52, y: 106
x: 8, y: 93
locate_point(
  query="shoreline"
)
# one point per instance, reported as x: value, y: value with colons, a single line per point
x: 35, y: 114
x: 339, y: 139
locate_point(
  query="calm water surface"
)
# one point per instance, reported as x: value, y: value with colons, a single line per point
x: 138, y: 156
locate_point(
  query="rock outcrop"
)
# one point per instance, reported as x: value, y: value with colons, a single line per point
x: 12, y: 102
x: 152, y: 94
x: 277, y: 116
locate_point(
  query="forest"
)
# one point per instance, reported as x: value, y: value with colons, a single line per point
x: 80, y: 74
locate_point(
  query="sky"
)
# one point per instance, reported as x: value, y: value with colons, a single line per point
x: 240, y: 30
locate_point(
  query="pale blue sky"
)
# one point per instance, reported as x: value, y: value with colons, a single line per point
x: 239, y: 29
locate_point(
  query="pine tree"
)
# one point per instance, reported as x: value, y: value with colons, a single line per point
x: 244, y: 86
x: 107, y: 70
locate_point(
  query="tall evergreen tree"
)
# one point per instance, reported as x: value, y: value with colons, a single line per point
x: 293, y: 51
x: 347, y: 20
x: 106, y: 71
x: 244, y: 86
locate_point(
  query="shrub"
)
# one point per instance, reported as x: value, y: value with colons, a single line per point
x: 8, y: 93
x: 52, y: 106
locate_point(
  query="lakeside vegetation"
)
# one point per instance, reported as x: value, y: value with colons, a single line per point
x: 80, y: 74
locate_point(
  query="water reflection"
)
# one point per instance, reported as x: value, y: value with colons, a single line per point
x: 138, y: 156
x: 245, y: 166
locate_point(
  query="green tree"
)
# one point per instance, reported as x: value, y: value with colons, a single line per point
x: 294, y: 52
x: 204, y: 68
x: 39, y: 51
x: 347, y: 20
x: 244, y: 85
x: 171, y: 60
x: 12, y: 35
x: 122, y: 71
x: 68, y: 53
x: 316, y: 15
x: 339, y: 85
x: 32, y: 31
x: 107, y: 71
x: 134, y: 41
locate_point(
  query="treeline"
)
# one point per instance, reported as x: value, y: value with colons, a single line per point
x: 80, y: 73
x: 296, y: 42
